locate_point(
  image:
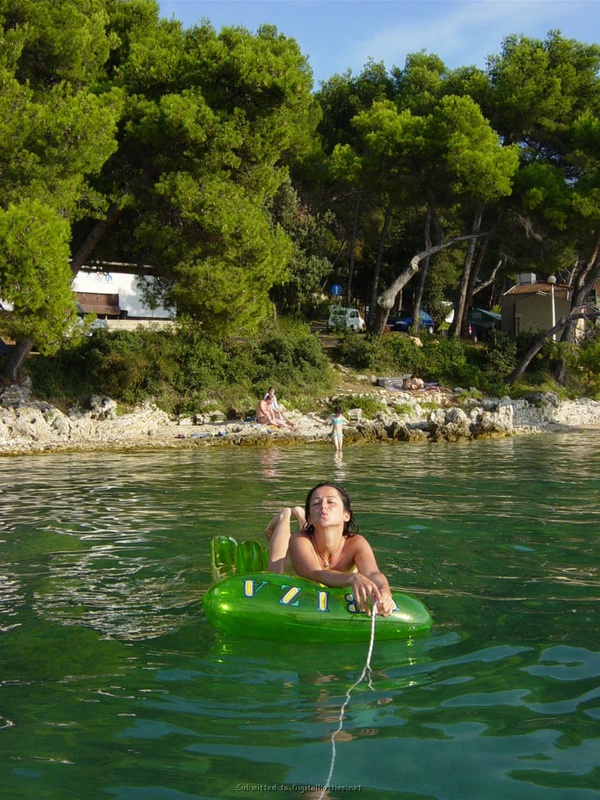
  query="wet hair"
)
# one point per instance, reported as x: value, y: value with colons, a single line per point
x: 338, y: 411
x: 350, y: 526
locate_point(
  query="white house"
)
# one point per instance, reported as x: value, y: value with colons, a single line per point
x: 114, y: 294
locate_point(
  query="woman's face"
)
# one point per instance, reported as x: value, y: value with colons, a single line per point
x: 326, y: 508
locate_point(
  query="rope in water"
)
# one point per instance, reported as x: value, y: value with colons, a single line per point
x: 366, y: 670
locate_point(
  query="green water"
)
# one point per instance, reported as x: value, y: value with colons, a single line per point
x: 113, y: 685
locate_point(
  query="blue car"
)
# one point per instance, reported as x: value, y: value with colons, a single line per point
x: 404, y: 321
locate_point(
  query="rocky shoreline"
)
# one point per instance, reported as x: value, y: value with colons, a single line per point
x: 28, y: 426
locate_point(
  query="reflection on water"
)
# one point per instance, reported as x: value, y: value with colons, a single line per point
x: 112, y: 678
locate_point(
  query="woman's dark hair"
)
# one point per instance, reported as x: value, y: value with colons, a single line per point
x: 350, y: 527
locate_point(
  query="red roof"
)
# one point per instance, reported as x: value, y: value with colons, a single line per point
x: 534, y: 288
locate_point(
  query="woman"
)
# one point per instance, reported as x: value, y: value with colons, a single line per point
x: 337, y: 429
x: 278, y: 412
x: 328, y: 548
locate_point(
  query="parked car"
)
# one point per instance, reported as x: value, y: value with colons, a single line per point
x: 405, y: 319
x: 346, y: 318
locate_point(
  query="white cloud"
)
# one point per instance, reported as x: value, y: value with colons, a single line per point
x: 464, y: 33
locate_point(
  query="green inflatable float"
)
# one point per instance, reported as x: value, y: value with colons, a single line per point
x: 249, y: 602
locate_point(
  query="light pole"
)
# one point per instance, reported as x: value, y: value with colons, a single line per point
x: 552, y: 282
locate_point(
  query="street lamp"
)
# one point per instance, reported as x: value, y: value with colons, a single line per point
x: 552, y: 282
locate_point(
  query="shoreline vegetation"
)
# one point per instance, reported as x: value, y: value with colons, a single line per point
x: 183, y: 388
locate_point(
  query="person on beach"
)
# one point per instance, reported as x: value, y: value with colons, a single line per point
x: 277, y: 409
x: 265, y: 416
x: 337, y: 429
x: 413, y: 383
x: 328, y: 548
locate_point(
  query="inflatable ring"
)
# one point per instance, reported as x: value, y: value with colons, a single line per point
x: 263, y: 605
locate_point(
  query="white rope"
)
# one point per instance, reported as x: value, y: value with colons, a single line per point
x: 366, y: 670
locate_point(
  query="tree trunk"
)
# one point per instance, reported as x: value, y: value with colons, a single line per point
x: 484, y: 284
x: 352, y: 249
x: 16, y: 359
x: 386, y: 299
x: 423, y: 276
x: 372, y: 326
x: 460, y: 307
x: 96, y: 235
x: 535, y: 348
x: 464, y: 330
x: 584, y: 281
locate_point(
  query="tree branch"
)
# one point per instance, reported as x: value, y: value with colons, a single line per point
x: 386, y: 298
x: 484, y: 284
x: 535, y: 349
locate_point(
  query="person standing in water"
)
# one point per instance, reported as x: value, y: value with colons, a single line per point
x: 337, y: 429
x: 328, y: 548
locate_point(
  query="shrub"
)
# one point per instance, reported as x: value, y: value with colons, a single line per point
x: 405, y: 355
x: 358, y: 351
x: 451, y: 361
x: 183, y: 368
x: 370, y: 406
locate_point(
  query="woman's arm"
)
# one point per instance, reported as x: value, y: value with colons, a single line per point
x: 278, y: 533
x: 375, y: 587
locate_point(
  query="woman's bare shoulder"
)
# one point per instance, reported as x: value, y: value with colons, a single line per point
x: 357, y: 542
x: 298, y: 536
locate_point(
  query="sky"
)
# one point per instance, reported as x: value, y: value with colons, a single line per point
x: 338, y: 35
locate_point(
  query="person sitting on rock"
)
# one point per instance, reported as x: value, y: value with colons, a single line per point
x: 277, y: 409
x: 265, y: 415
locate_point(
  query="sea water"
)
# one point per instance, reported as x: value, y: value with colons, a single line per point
x: 113, y: 684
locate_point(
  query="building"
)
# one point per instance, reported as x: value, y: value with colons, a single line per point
x: 533, y: 305
x: 114, y: 295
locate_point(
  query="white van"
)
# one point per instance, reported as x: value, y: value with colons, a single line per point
x: 348, y: 318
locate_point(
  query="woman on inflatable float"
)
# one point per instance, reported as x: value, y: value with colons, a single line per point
x: 328, y: 548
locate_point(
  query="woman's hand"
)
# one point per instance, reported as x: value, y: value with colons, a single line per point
x: 387, y: 604
x: 367, y: 593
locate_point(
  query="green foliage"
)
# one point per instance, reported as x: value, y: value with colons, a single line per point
x: 539, y: 87
x: 584, y: 373
x: 368, y: 405
x: 188, y: 144
x: 444, y: 361
x: 211, y: 122
x: 55, y: 132
x: 184, y: 369
x: 359, y: 352
x: 451, y: 362
x: 406, y: 355
x: 35, y: 277
x: 405, y: 409
x: 179, y: 137
x: 500, y: 359
x: 312, y: 244
x: 61, y: 41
